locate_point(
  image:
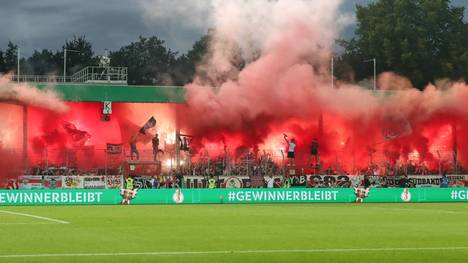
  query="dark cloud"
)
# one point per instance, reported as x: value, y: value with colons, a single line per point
x: 44, y: 10
x: 108, y: 24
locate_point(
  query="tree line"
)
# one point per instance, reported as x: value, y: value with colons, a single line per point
x: 148, y: 60
x: 47, y: 61
x: 424, y: 40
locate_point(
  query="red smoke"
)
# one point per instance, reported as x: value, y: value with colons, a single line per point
x: 285, y: 88
x: 10, y: 142
x: 405, y: 126
x: 83, y: 129
x: 79, y: 136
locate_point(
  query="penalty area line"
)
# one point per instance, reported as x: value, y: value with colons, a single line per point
x: 35, y: 216
x: 214, y: 252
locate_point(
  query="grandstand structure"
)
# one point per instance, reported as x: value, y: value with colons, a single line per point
x: 101, y: 84
x: 100, y: 92
x: 104, y: 84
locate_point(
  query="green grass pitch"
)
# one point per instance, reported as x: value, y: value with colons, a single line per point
x: 236, y: 233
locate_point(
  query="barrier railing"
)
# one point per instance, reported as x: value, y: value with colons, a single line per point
x: 91, y: 74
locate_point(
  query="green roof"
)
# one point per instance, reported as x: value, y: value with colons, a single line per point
x: 117, y: 93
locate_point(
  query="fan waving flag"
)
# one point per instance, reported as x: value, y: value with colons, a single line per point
x: 149, y: 124
x: 78, y: 137
x: 395, y: 127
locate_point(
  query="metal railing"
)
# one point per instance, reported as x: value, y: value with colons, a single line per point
x: 40, y: 78
x: 97, y: 74
x: 87, y: 158
x: 92, y: 74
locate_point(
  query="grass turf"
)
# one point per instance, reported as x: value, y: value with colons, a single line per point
x: 160, y: 228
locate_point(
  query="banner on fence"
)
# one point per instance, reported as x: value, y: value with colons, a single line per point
x: 26, y: 182
x: 434, y: 180
x: 52, y: 182
x: 73, y: 182
x: 94, y: 182
x: 114, y: 181
x: 390, y: 181
x: 29, y: 182
x: 194, y: 181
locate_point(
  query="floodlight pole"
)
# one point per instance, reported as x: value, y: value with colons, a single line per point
x: 18, y: 65
x: 65, y: 62
x: 331, y: 73
x: 375, y: 74
x: 374, y: 60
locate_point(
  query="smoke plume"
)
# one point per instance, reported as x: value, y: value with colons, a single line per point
x: 267, y: 73
x: 24, y: 93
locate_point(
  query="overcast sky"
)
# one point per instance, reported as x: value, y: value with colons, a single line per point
x: 110, y: 24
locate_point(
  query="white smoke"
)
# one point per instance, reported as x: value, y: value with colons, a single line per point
x: 247, y: 30
x: 27, y: 94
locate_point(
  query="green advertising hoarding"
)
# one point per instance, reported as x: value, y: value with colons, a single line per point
x: 230, y: 196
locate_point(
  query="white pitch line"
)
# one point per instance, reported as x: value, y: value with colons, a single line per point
x: 213, y: 252
x: 37, y: 217
x: 25, y: 223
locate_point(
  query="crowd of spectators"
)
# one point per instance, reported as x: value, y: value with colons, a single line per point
x: 397, y: 170
x: 70, y: 171
x: 250, y: 165
x: 260, y: 167
x: 246, y: 165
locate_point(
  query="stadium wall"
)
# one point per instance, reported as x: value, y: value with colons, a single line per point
x: 230, y: 196
x: 117, y: 93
